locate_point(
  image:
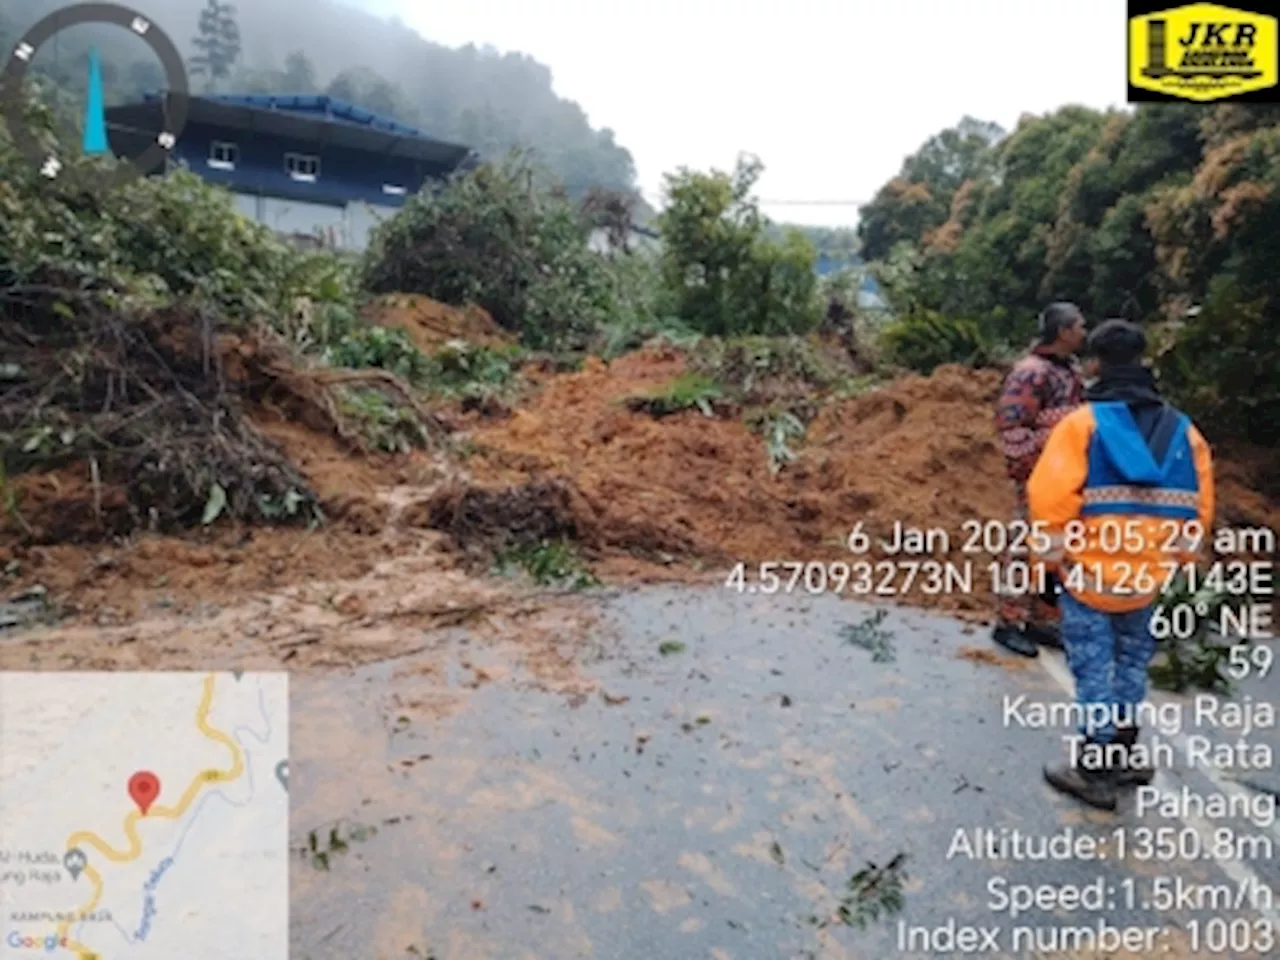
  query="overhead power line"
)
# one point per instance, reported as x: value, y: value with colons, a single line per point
x: 815, y: 203
x: 786, y: 203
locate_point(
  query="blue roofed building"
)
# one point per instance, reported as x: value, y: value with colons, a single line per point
x: 307, y: 166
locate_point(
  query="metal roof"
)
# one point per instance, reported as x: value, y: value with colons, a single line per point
x: 324, y: 121
x: 329, y: 108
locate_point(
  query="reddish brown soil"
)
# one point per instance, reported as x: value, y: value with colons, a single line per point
x: 684, y: 484
x: 920, y: 452
x: 681, y: 497
x: 430, y: 324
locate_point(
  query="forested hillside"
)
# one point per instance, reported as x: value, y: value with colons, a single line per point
x: 477, y: 96
x: 1166, y: 214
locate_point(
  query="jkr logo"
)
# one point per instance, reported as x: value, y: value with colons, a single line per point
x: 1201, y: 52
x: 1214, y: 35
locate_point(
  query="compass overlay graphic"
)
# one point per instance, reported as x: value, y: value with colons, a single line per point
x: 94, y: 141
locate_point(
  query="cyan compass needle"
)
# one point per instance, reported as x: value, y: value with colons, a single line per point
x: 95, y: 115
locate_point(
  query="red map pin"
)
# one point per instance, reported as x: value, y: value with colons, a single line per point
x: 144, y: 787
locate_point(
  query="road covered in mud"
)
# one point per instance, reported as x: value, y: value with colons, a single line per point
x: 754, y: 777
x: 481, y: 769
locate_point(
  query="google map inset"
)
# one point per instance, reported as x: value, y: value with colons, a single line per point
x: 143, y: 815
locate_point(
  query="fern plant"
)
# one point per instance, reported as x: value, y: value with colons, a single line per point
x: 924, y: 340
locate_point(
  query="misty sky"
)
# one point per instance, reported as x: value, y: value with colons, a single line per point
x: 831, y: 94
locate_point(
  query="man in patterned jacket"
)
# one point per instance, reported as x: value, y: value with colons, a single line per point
x: 1043, y: 387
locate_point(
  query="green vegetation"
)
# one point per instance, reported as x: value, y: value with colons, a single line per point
x: 689, y: 391
x: 1165, y: 215
x: 725, y: 274
x: 217, y: 43
x: 1194, y: 659
x: 323, y: 845
x: 922, y: 340
x: 755, y: 367
x: 379, y: 347
x: 495, y: 237
x: 125, y: 317
x: 872, y: 637
x: 781, y: 429
x: 549, y: 563
x: 873, y: 893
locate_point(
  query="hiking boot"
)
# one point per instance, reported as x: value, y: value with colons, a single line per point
x: 1015, y: 639
x: 1045, y: 634
x: 1097, y: 788
x: 1131, y: 774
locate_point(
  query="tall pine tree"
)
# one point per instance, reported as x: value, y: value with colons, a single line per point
x: 217, y: 43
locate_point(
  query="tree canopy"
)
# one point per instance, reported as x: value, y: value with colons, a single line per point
x: 1143, y: 214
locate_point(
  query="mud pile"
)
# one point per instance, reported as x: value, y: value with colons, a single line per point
x: 681, y: 495
x: 681, y: 486
x: 118, y: 425
x: 430, y: 324
x: 688, y: 485
x: 125, y: 423
x: 919, y: 453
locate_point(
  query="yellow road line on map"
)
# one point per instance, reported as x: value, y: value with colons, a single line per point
x: 86, y: 838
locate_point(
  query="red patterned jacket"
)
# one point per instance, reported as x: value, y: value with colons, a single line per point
x: 1040, y: 390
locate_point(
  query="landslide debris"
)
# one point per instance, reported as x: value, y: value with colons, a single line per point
x: 430, y: 325
x: 119, y: 421
x: 919, y: 451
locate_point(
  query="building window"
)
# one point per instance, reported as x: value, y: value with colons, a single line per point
x: 223, y: 155
x: 302, y: 166
x: 394, y: 190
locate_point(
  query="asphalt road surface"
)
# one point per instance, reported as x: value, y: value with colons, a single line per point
x: 746, y: 782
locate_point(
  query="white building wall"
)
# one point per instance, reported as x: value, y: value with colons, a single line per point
x: 248, y: 206
x: 347, y: 228
x: 362, y: 218
x: 291, y: 217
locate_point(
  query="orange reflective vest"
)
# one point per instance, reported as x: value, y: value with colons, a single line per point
x: 1121, y: 513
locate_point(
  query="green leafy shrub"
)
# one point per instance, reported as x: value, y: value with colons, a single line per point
x: 1223, y: 365
x: 780, y: 429
x: 463, y: 369
x: 724, y: 273
x: 689, y: 391
x: 747, y: 364
x: 1193, y: 661
x: 643, y: 308
x: 492, y: 236
x: 385, y: 425
x: 924, y: 340
x: 176, y: 235
x: 549, y: 563
x: 372, y: 346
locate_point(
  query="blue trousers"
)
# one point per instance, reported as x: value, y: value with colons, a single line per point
x: 1108, y: 654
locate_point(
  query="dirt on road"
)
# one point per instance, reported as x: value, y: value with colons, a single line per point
x: 684, y: 496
